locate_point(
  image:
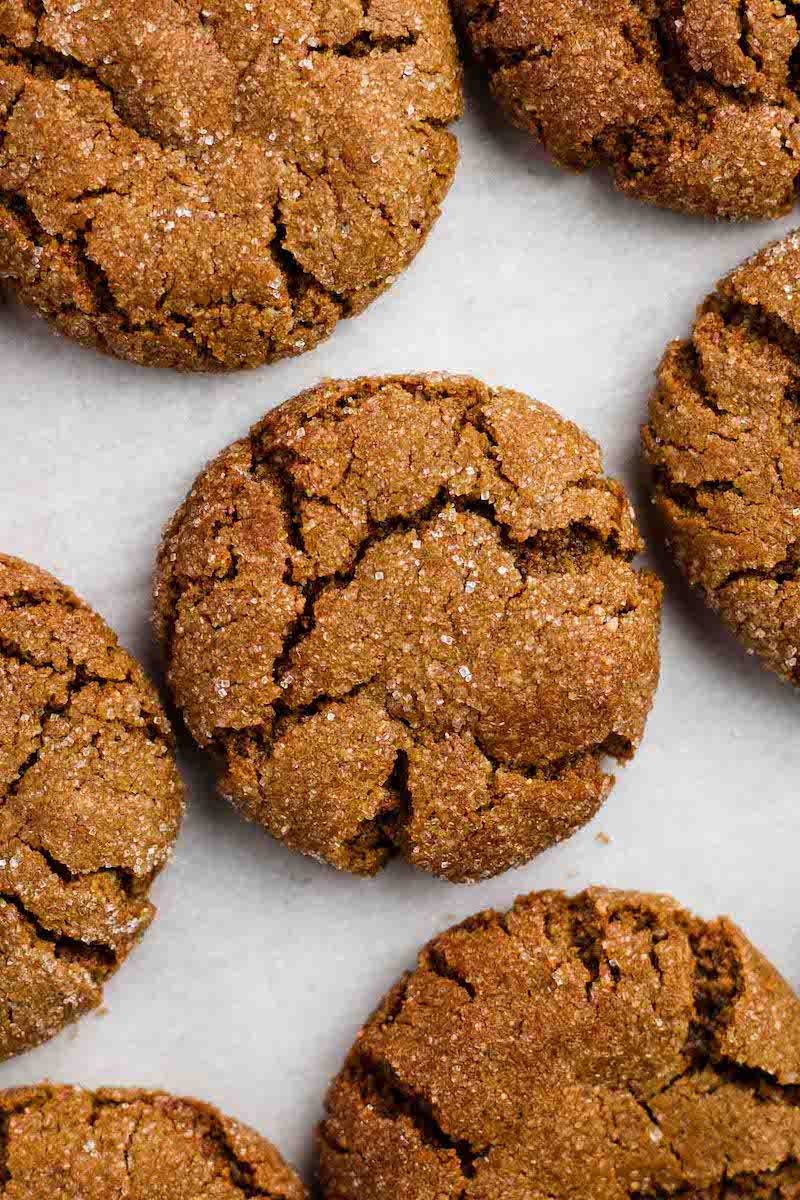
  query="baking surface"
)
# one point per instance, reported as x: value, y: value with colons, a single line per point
x: 249, y: 987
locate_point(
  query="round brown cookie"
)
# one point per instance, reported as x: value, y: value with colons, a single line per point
x: 62, y: 1143
x: 691, y: 104
x: 402, y: 611
x: 609, y: 1046
x: 90, y: 804
x: 214, y: 186
x: 724, y: 443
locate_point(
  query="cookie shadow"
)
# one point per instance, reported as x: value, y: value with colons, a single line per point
x: 516, y: 147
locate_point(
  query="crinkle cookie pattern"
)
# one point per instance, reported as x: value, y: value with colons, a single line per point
x: 724, y: 442
x: 609, y: 1046
x: 90, y: 804
x: 62, y: 1143
x: 691, y: 104
x: 403, y: 613
x: 214, y: 186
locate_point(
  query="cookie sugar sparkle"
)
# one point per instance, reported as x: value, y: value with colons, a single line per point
x: 403, y: 614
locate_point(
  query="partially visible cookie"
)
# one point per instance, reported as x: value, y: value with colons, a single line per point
x: 403, y: 614
x: 63, y: 1143
x: 90, y: 805
x: 691, y: 105
x: 213, y: 186
x: 609, y: 1046
x: 724, y: 443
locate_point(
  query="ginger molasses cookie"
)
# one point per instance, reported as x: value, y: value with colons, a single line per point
x: 724, y: 442
x: 691, y: 105
x: 62, y: 1143
x: 90, y: 804
x: 213, y: 186
x: 609, y: 1046
x: 403, y: 613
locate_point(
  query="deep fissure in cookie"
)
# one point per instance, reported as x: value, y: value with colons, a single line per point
x: 383, y: 1090
x: 100, y: 961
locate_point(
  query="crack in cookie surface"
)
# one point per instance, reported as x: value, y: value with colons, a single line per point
x: 403, y: 614
x: 724, y: 442
x: 691, y: 104
x: 664, y: 1047
x: 90, y: 804
x: 63, y: 1141
x: 213, y: 190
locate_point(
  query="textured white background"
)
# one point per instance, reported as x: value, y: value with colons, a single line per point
x: 249, y: 987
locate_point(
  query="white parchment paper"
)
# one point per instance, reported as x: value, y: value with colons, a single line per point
x: 249, y: 987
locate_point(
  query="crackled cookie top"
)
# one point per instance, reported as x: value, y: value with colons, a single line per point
x: 90, y: 804
x: 609, y: 1046
x: 62, y: 1143
x: 724, y: 443
x: 692, y: 104
x: 213, y: 186
x: 403, y: 613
